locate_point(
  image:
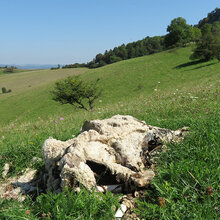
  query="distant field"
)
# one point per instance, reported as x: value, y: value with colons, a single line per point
x: 30, y: 93
x: 165, y: 89
x: 15, y: 71
x: 29, y: 79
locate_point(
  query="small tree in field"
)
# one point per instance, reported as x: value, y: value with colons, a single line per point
x: 74, y: 91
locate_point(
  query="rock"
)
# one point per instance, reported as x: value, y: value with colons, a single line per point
x: 18, y: 187
x: 106, y: 152
x: 5, y: 170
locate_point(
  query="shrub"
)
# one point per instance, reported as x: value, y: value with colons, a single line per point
x: 4, y: 90
x: 74, y: 91
x: 9, y: 69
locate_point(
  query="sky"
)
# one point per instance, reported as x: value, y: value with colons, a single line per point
x: 70, y: 31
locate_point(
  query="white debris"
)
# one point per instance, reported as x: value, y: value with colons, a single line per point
x: 121, y: 211
x: 5, y: 170
x: 107, y: 152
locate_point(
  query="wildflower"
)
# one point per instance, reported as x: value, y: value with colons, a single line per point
x: 99, y: 112
x: 155, y: 90
x: 3, y: 137
x: 177, y: 89
x: 100, y: 100
x: 159, y: 82
x: 36, y: 134
x: 61, y: 118
x: 55, y: 122
x: 31, y: 143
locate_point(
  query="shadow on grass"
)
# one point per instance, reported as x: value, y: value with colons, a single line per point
x: 194, y: 63
x: 210, y: 64
x: 190, y: 64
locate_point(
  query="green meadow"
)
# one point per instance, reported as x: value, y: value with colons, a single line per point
x: 164, y: 89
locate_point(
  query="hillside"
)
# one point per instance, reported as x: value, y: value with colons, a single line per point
x: 164, y: 89
x: 126, y: 79
x: 30, y: 93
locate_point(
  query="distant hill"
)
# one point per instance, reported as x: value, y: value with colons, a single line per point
x: 211, y: 18
x: 31, y: 66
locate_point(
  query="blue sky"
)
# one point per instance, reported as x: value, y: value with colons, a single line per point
x: 69, y: 31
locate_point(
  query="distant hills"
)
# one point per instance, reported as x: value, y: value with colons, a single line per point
x: 31, y: 66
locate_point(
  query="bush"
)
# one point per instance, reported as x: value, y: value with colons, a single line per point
x: 55, y: 68
x: 74, y: 91
x: 4, y: 90
x: 9, y: 70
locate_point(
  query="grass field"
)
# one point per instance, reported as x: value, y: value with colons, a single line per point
x: 164, y: 89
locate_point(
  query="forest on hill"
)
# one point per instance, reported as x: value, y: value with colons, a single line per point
x: 179, y: 34
x: 211, y: 18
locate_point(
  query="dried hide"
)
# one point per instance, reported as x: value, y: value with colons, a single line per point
x: 107, y: 152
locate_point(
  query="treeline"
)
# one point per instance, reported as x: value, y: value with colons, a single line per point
x: 6, y: 66
x: 211, y: 18
x: 208, y: 46
x: 148, y: 45
x: 179, y: 34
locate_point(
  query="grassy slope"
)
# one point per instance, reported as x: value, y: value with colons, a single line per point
x: 30, y: 97
x: 126, y: 79
x: 187, y: 94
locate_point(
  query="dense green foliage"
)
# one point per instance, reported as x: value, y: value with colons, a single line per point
x: 208, y: 46
x: 211, y: 18
x: 147, y: 46
x: 74, y: 91
x: 180, y: 33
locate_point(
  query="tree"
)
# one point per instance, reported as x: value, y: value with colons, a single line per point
x: 179, y: 34
x: 208, y: 47
x: 114, y: 59
x: 76, y: 92
x: 9, y: 69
